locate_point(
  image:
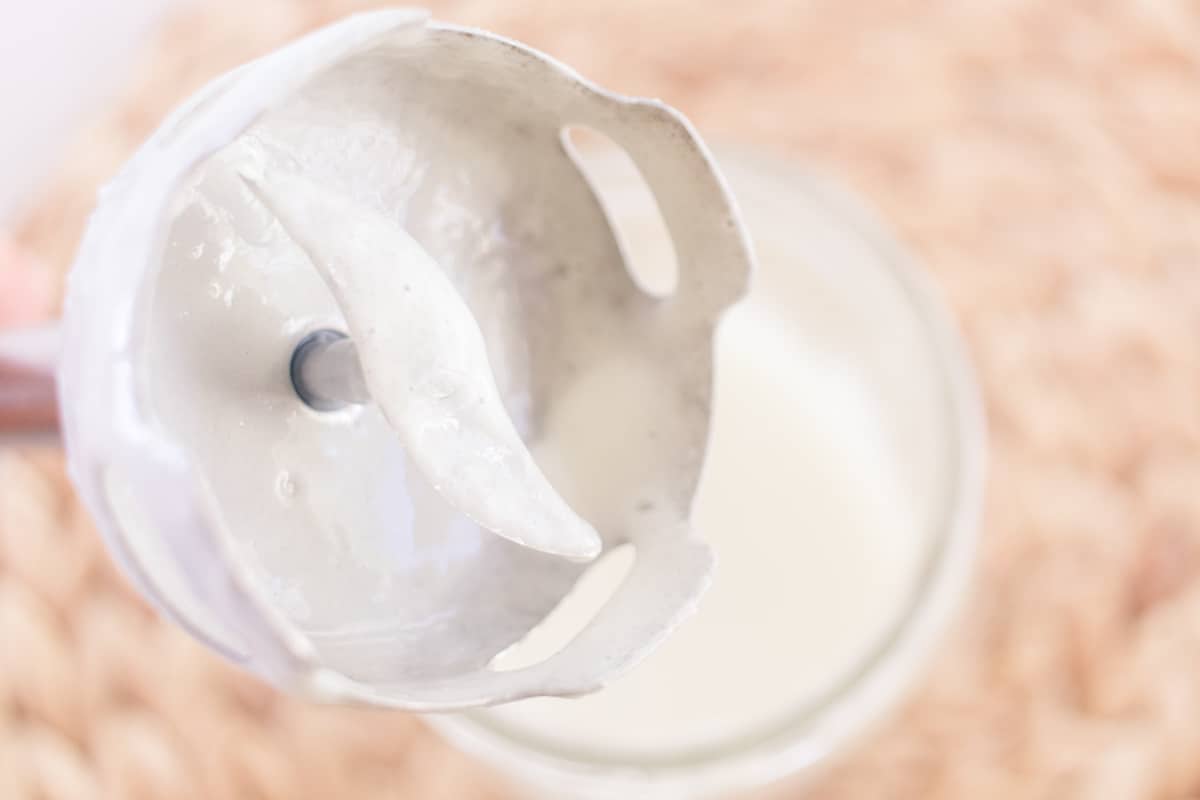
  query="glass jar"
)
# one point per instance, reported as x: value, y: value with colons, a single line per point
x: 864, y: 304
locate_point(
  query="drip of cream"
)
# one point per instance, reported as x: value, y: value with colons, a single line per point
x: 425, y: 364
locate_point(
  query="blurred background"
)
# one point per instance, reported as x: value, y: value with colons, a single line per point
x: 1042, y: 159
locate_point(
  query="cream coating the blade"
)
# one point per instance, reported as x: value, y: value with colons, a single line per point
x: 425, y: 364
x: 314, y: 548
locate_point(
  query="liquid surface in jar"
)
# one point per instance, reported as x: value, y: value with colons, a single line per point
x: 818, y: 495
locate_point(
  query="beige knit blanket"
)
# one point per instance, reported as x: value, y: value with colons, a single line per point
x: 1041, y: 156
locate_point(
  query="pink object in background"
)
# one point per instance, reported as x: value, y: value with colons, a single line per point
x: 26, y: 293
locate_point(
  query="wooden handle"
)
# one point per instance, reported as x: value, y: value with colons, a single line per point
x: 28, y: 406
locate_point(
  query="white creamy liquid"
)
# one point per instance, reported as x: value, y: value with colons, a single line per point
x: 816, y: 496
x: 814, y: 544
